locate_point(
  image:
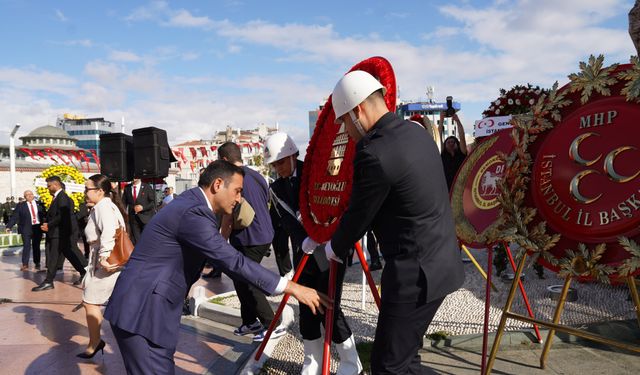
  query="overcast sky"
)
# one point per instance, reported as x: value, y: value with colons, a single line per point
x: 193, y: 67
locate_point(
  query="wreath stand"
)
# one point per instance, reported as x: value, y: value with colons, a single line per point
x: 328, y: 325
x: 554, y: 326
x: 487, y: 302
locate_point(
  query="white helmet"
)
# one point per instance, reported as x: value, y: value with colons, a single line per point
x: 353, y: 89
x: 278, y: 146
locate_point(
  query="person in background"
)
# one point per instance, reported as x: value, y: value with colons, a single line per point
x: 105, y: 217
x: 61, y: 228
x: 454, y: 150
x: 281, y: 153
x: 253, y: 242
x: 168, y: 196
x: 139, y: 199
x: 29, y: 215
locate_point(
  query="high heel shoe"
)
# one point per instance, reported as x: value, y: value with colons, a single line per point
x: 86, y: 355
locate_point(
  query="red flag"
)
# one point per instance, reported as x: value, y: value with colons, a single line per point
x: 49, y: 153
x: 85, y: 158
x: 95, y: 157
x: 39, y: 153
x: 60, y: 156
x: 28, y: 152
x: 203, y: 151
x: 194, y: 153
x: 213, y: 148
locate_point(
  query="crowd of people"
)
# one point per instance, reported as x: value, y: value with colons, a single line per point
x: 233, y: 218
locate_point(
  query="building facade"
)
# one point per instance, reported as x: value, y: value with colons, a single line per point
x: 86, y: 130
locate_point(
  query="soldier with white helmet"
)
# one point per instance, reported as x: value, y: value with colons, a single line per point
x: 399, y: 191
x: 281, y: 153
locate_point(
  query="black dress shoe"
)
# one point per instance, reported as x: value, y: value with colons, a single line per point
x: 41, y: 287
x: 213, y: 274
x: 99, y: 348
x: 374, y: 266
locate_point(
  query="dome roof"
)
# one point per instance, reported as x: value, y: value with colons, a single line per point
x: 48, y: 131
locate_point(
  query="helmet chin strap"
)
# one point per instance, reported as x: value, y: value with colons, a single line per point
x: 357, y: 124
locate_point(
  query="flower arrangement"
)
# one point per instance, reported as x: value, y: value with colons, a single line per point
x: 66, y: 174
x: 518, y: 100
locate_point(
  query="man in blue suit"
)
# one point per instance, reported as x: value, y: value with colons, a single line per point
x: 146, y: 304
x: 29, y: 215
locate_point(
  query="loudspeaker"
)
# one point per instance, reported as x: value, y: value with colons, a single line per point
x: 152, y: 154
x: 116, y: 156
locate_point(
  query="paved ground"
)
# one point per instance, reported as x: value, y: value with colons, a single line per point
x: 42, y: 335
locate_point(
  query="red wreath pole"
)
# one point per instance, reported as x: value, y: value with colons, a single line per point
x: 283, y: 303
x: 487, y: 305
x: 524, y: 293
x: 328, y: 319
x: 365, y: 268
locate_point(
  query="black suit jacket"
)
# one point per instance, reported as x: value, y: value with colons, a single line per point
x: 145, y: 198
x: 399, y: 189
x: 22, y: 217
x: 60, y: 218
x: 288, y: 190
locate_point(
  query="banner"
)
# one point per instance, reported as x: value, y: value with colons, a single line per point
x: 491, y: 125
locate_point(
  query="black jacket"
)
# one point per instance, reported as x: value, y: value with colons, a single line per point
x: 400, y: 191
x: 145, y: 197
x: 288, y: 190
x: 60, y: 217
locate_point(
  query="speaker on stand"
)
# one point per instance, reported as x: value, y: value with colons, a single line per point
x: 116, y: 156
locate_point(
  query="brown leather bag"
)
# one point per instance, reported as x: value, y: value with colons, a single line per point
x: 122, y: 249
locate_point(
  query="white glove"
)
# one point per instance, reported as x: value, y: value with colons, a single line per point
x: 309, y: 245
x: 328, y: 252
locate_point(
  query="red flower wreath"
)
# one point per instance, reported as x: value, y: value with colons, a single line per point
x: 518, y: 100
x: 325, y: 197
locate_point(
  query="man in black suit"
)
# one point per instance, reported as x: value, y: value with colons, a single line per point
x: 399, y: 190
x: 29, y: 215
x: 139, y: 198
x: 61, y: 228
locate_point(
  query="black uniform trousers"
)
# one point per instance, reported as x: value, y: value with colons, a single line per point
x: 281, y: 250
x: 253, y: 302
x: 399, y: 334
x: 141, y: 356
x: 310, y: 324
x: 62, y: 248
x: 31, y: 241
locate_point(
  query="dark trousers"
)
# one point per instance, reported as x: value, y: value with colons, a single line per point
x: 135, y: 228
x: 31, y: 241
x: 309, y: 323
x: 281, y: 251
x: 141, y: 356
x: 62, y: 248
x: 372, y: 246
x: 399, y: 334
x: 253, y: 302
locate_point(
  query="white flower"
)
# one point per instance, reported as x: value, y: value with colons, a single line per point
x: 531, y: 101
x: 497, y: 111
x: 510, y: 101
x: 517, y: 101
x: 497, y: 102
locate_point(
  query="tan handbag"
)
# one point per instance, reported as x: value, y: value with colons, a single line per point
x: 122, y: 249
x: 243, y: 215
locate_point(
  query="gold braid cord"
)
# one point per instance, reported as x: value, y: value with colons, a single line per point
x: 517, y: 217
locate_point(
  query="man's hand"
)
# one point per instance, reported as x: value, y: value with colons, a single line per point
x: 44, y: 227
x: 328, y: 252
x: 309, y: 245
x: 316, y: 301
x: 137, y: 208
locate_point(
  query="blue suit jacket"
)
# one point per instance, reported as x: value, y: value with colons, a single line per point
x: 22, y: 217
x: 150, y: 291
